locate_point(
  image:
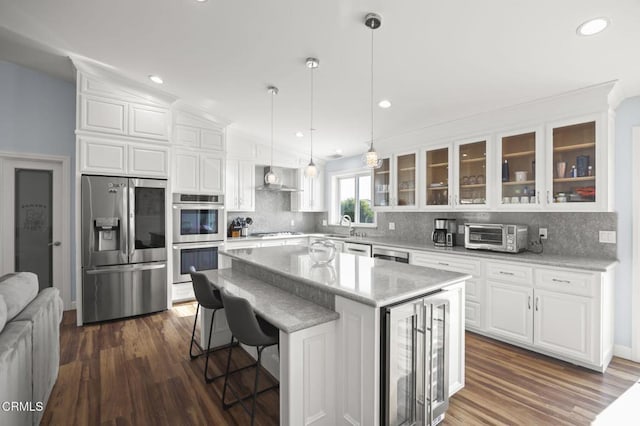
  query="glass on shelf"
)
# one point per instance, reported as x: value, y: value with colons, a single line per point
x: 472, y: 164
x: 574, y: 163
x: 406, y: 179
x: 519, y: 168
x: 437, y: 174
x: 381, y: 182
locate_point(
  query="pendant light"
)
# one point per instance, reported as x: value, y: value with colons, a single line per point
x: 271, y: 178
x: 370, y: 159
x: 311, y: 171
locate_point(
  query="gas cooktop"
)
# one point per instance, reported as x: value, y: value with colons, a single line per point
x: 274, y: 234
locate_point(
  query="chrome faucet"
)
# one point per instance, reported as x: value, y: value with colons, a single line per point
x: 347, y: 218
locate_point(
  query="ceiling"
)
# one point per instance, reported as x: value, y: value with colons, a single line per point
x: 436, y: 61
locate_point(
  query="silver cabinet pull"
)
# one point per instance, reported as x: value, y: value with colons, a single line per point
x: 548, y: 202
x: 55, y: 243
x: 556, y: 280
x: 443, y: 263
x: 538, y: 197
x: 506, y: 273
x: 537, y: 302
x: 529, y: 302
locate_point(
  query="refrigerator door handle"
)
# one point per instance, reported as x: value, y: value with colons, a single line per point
x: 131, y: 219
x: 425, y: 374
x: 125, y: 268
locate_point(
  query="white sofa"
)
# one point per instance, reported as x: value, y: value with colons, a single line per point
x: 29, y: 347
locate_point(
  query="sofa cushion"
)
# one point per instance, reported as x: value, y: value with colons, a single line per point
x: 18, y: 290
x: 3, y: 313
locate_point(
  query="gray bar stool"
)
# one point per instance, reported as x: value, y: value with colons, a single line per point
x: 208, y: 297
x: 251, y: 330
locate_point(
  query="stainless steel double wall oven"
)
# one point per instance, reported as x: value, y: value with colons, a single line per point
x: 198, y: 232
x: 124, y: 270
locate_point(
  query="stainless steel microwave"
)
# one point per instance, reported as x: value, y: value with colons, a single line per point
x: 496, y: 237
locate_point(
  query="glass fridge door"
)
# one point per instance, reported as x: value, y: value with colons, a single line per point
x: 436, y: 361
x: 147, y: 222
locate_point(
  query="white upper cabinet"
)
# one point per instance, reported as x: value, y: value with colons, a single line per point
x: 240, y: 185
x: 103, y: 115
x: 148, y: 122
x: 195, y: 137
x: 186, y: 136
x: 472, y: 183
x: 212, y: 139
x: 311, y: 198
x: 198, y: 172
x: 438, y: 177
x: 520, y: 171
x: 106, y: 156
x: 395, y: 183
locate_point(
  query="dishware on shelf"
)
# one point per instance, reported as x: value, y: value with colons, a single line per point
x: 506, y: 200
x: 505, y: 171
x: 524, y: 199
x: 480, y: 179
x: 521, y: 176
x: 515, y: 200
x: 322, y: 251
x: 561, y: 197
x: 465, y: 180
x: 582, y: 165
x: 472, y: 180
x: 533, y: 199
x: 561, y: 168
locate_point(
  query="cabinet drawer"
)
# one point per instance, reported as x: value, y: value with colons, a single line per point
x: 567, y: 281
x: 448, y: 263
x: 509, y: 273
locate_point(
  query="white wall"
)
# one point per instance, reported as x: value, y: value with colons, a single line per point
x: 37, y: 116
x: 627, y: 116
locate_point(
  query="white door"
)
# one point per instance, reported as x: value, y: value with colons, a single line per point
x: 573, y: 338
x: 34, y: 235
x: 509, y: 311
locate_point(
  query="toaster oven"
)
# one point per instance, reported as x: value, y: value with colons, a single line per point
x: 496, y: 237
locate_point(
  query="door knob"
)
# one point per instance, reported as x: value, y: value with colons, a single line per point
x: 54, y: 243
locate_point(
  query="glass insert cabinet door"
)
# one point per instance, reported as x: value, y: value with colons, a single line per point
x: 518, y: 169
x: 472, y: 173
x: 406, y: 180
x: 382, y: 184
x: 574, y: 163
x: 437, y: 177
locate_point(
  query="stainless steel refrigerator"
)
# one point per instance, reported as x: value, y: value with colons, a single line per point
x: 415, y: 366
x: 124, y: 270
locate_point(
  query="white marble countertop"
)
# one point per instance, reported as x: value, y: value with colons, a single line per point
x: 561, y: 261
x: 284, y: 310
x: 370, y: 281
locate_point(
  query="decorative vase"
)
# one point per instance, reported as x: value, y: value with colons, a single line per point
x: 322, y: 251
x: 561, y: 168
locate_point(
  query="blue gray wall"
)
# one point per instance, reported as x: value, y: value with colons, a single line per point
x: 37, y: 116
x: 627, y: 117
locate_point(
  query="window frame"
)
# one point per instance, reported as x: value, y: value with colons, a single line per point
x: 334, y: 212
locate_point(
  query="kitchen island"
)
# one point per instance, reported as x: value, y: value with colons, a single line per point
x: 330, y: 319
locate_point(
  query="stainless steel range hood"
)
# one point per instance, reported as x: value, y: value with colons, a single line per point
x: 284, y: 184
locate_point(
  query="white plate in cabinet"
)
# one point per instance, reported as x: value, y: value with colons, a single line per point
x: 563, y: 324
x: 512, y: 274
x: 103, y: 115
x: 148, y: 122
x: 148, y: 160
x: 570, y: 282
x: 102, y: 156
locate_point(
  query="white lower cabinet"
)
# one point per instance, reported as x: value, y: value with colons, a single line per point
x: 509, y: 311
x: 455, y: 295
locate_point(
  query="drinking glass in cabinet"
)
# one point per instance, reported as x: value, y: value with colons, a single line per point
x: 381, y: 182
x: 406, y: 178
x: 437, y: 174
x: 518, y: 166
x: 574, y: 154
x: 473, y: 162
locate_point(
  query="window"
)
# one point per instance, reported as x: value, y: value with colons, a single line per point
x: 354, y: 198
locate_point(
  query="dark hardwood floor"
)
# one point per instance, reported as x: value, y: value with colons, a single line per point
x: 137, y: 372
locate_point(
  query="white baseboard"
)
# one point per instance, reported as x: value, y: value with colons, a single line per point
x: 622, y: 352
x: 71, y: 307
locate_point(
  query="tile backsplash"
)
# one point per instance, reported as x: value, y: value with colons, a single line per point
x: 572, y: 234
x: 273, y: 213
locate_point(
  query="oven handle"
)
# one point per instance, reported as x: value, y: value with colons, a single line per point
x: 211, y: 206
x: 197, y: 245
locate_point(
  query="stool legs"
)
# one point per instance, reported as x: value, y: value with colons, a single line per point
x: 193, y: 333
x: 206, y: 363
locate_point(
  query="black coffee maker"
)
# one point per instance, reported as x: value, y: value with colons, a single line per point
x: 444, y: 232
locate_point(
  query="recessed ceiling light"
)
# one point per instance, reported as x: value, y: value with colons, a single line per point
x: 384, y: 103
x: 299, y: 134
x: 592, y: 26
x: 201, y: 1
x: 156, y: 79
